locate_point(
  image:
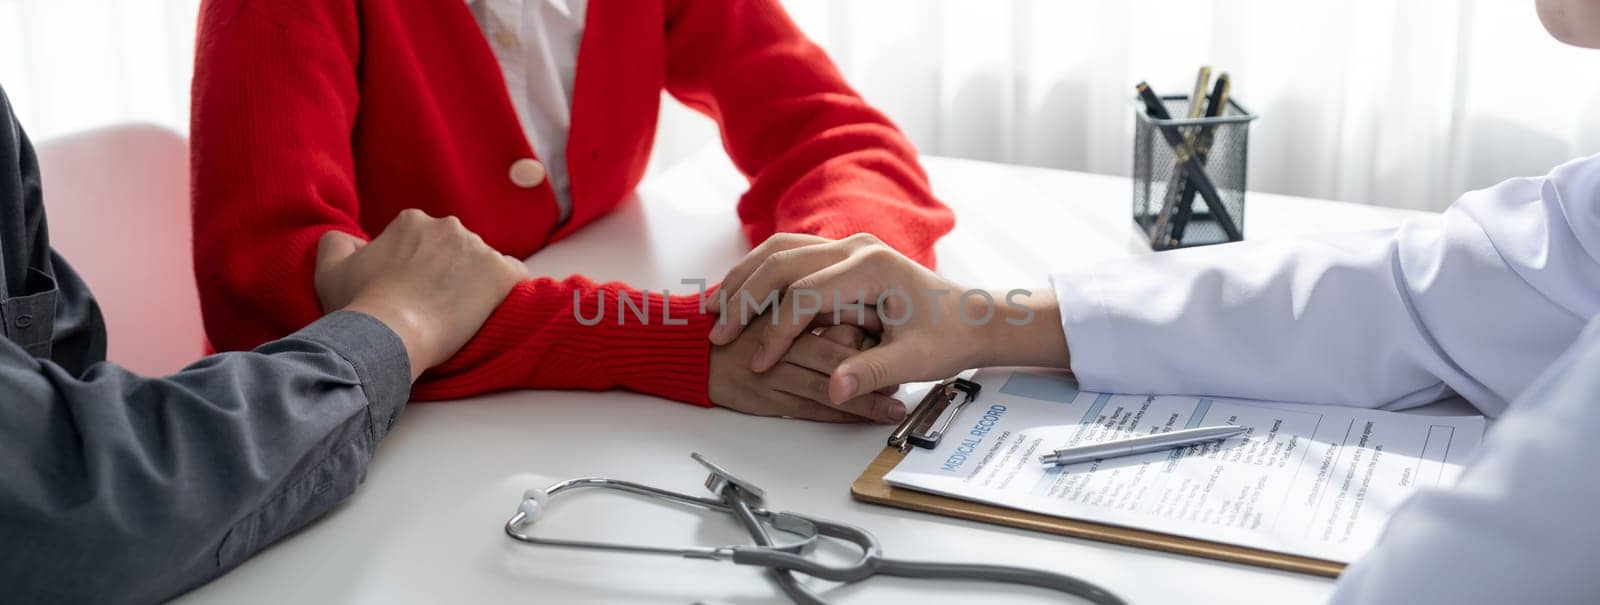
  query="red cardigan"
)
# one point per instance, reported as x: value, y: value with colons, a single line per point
x: 310, y: 115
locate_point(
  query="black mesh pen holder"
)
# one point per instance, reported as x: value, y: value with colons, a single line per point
x: 1168, y: 206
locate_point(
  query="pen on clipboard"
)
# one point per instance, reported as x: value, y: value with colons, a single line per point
x: 1187, y: 161
x: 1140, y: 445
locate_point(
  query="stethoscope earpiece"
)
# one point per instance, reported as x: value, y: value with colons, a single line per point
x: 533, y: 505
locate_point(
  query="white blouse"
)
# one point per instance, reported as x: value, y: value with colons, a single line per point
x: 536, y: 43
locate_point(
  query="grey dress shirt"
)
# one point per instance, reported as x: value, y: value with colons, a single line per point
x: 119, y: 488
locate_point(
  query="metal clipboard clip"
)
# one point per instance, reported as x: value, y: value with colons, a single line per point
x: 941, y: 405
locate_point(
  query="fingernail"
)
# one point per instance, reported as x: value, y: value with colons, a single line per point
x: 849, y: 383
x: 755, y: 358
x: 896, y: 413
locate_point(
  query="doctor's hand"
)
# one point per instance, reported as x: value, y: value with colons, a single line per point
x: 429, y: 279
x: 931, y: 327
x: 797, y: 385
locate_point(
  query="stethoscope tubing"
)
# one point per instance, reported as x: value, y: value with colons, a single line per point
x: 790, y: 585
x: 785, y: 560
x: 513, y: 527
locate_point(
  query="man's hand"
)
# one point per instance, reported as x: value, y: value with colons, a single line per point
x: 797, y: 386
x: 429, y: 279
x: 931, y: 327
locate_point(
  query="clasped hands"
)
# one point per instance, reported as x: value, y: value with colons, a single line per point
x: 808, y: 327
x: 827, y: 329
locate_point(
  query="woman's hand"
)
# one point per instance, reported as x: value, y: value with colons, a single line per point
x: 931, y: 327
x: 797, y: 386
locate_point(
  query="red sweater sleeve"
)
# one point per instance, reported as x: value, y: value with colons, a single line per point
x: 819, y: 159
x: 275, y: 99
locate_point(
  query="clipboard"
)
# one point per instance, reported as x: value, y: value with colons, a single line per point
x: 942, y: 404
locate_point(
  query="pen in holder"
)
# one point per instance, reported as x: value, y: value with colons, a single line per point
x: 1167, y: 206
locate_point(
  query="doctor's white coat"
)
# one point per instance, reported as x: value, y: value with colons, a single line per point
x: 1479, y: 301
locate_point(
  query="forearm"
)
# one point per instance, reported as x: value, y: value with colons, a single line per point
x: 1316, y: 321
x: 820, y: 160
x: 576, y: 334
x: 272, y: 163
x: 1476, y: 301
x: 168, y: 482
x: 1024, y: 331
x: 858, y: 191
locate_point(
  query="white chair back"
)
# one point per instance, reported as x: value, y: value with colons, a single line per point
x: 117, y: 202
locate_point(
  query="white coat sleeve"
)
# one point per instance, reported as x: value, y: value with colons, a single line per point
x: 1476, y: 301
x: 1518, y: 526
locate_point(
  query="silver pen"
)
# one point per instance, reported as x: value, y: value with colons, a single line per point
x: 1140, y: 445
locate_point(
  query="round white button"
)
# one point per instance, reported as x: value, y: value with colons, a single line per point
x: 527, y: 173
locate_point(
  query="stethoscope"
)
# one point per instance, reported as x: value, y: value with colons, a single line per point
x: 743, y: 500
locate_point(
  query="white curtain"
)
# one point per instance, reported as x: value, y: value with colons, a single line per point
x: 1402, y: 103
x: 71, y: 65
x: 1396, y: 102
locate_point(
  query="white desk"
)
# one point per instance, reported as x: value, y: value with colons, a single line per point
x: 426, y: 526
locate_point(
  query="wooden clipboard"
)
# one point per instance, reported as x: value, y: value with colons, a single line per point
x: 870, y: 487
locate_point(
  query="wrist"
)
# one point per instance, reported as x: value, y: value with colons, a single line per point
x: 1025, y: 331
x: 408, y: 325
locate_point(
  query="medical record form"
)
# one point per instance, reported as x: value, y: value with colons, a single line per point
x: 1309, y: 480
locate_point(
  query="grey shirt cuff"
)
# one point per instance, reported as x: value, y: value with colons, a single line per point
x: 378, y: 356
